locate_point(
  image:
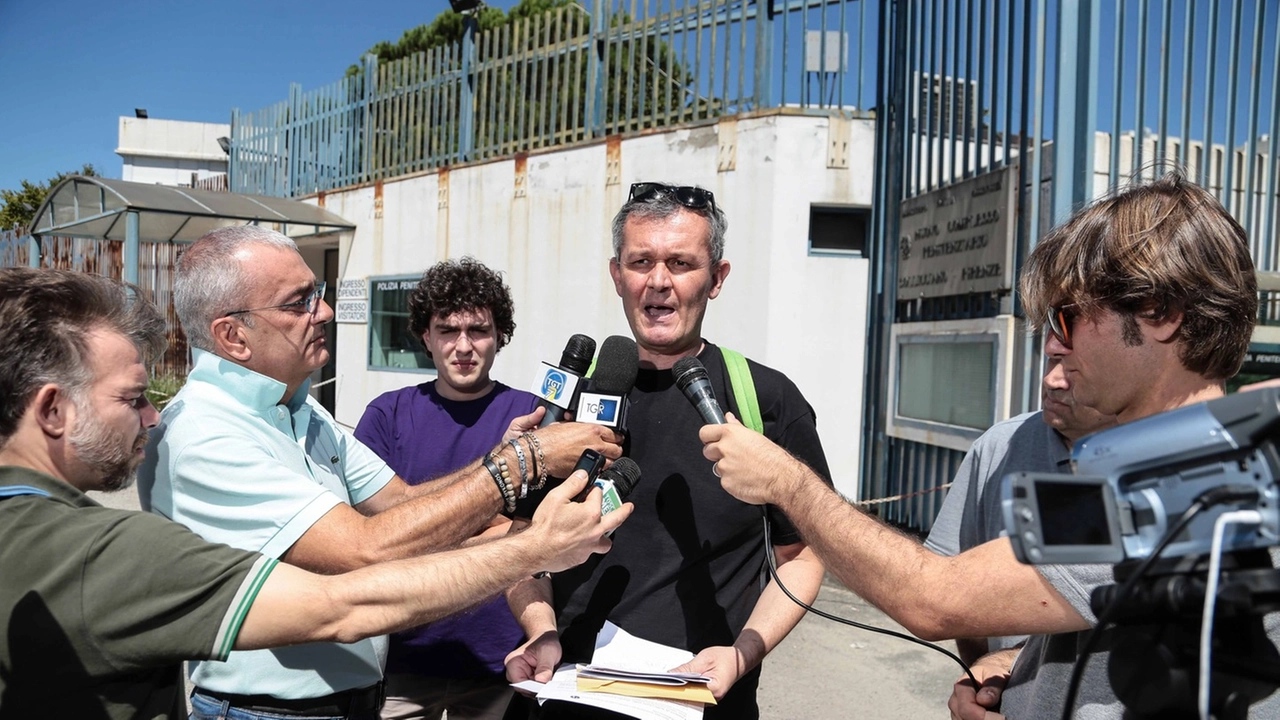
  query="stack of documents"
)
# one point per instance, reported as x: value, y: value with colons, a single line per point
x: 624, y: 664
x: 630, y: 676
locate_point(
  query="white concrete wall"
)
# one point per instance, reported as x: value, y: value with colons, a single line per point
x: 169, y: 152
x: 802, y: 314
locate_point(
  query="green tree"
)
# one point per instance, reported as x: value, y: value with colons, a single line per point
x: 446, y: 29
x: 18, y: 207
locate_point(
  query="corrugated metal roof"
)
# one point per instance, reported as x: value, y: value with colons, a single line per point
x: 96, y: 207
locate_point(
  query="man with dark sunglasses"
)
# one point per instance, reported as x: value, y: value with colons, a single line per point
x: 689, y: 572
x: 1150, y: 299
x: 246, y: 457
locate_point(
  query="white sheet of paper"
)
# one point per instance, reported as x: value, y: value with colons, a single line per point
x: 564, y: 686
x: 619, y: 649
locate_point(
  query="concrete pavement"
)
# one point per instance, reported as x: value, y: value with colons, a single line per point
x: 825, y: 670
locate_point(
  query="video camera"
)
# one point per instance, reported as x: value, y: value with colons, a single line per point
x: 1133, y: 481
x: 1132, y: 486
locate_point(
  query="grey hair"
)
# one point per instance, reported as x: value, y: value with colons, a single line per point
x: 661, y: 206
x: 210, y: 281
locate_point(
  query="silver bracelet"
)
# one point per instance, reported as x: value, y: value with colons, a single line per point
x: 524, y: 469
x: 536, y: 444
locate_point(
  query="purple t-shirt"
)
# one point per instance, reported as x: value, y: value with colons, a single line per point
x: 423, y: 436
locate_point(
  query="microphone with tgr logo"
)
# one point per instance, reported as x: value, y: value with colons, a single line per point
x: 557, y: 387
x: 604, y: 402
x: 691, y: 378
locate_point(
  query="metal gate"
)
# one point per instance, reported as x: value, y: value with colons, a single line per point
x: 1071, y: 97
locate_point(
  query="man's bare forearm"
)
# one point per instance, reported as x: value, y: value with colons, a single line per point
x: 295, y: 606
x: 775, y: 615
x: 979, y: 593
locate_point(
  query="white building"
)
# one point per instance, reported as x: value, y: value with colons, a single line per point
x: 171, y: 152
x: 797, y: 192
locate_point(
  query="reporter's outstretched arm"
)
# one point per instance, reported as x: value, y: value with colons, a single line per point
x: 294, y: 606
x: 982, y: 592
x: 537, y: 658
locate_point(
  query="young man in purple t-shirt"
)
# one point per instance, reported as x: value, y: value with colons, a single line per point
x: 463, y: 312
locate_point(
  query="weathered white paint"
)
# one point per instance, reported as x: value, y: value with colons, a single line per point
x: 802, y: 314
x: 170, y: 152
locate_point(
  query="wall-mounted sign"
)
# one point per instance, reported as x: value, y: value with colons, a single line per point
x: 959, y: 239
x: 353, y: 289
x: 351, y: 311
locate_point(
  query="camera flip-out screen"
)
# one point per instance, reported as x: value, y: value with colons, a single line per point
x: 1061, y: 519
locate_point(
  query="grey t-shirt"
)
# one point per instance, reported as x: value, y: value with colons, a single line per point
x: 1037, y: 686
x: 971, y: 514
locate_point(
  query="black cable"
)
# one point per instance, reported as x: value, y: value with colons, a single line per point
x: 1208, y: 498
x: 772, y: 566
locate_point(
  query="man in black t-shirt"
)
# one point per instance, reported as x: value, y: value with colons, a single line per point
x: 687, y: 570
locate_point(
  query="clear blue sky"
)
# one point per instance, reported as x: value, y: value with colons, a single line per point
x: 69, y: 69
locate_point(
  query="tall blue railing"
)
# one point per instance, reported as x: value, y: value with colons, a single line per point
x: 569, y: 76
x: 1084, y: 95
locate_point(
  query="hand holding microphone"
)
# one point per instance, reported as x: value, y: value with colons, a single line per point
x: 558, y: 386
x: 748, y: 464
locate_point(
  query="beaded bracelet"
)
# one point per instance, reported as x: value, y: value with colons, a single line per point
x: 524, y: 469
x: 497, y: 467
x: 541, y: 463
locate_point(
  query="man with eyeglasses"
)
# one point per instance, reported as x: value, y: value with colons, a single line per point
x: 101, y: 605
x: 689, y: 566
x: 245, y: 456
x: 1150, y: 299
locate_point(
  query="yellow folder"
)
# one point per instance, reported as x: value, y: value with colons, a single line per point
x: 693, y: 692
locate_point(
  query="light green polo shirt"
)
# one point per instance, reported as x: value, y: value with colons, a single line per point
x: 237, y: 467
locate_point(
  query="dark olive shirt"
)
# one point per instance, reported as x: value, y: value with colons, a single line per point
x: 99, y: 607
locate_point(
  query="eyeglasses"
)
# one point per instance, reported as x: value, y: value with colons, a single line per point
x: 1061, y: 319
x: 307, y: 304
x: 694, y: 198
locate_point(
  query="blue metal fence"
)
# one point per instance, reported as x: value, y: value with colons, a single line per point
x: 569, y: 76
x: 1106, y: 94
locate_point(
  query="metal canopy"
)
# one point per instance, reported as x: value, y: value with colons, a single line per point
x: 97, y: 207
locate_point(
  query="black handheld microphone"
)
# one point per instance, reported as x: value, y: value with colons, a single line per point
x: 691, y: 378
x: 616, y: 481
x: 604, y: 402
x: 558, y: 387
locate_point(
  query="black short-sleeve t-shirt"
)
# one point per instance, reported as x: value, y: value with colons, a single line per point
x: 686, y: 568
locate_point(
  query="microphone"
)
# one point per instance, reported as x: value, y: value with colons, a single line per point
x: 617, y: 482
x: 557, y: 386
x: 604, y: 402
x: 691, y: 378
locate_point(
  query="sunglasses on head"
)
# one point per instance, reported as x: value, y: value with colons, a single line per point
x: 694, y: 198
x: 1061, y: 319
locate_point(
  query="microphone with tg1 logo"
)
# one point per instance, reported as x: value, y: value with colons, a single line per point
x: 604, y: 402
x: 691, y: 378
x: 557, y: 387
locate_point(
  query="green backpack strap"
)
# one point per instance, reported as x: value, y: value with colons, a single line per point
x: 744, y: 389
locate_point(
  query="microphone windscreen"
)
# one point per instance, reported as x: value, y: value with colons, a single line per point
x: 578, y: 353
x: 617, y: 366
x: 625, y: 474
x: 687, y: 371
